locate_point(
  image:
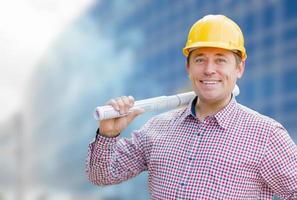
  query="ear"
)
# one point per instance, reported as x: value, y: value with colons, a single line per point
x: 240, y: 69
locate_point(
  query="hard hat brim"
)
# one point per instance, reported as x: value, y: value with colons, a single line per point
x: 196, y: 45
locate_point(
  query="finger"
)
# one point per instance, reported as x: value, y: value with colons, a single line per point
x: 121, y: 105
x: 131, y: 100
x: 114, y: 104
x: 134, y: 113
x: 127, y: 103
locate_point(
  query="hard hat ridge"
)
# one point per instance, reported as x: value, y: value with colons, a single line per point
x: 215, y: 31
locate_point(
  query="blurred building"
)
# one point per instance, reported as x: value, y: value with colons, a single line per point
x: 124, y: 48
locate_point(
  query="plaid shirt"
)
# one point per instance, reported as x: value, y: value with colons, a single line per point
x: 235, y: 154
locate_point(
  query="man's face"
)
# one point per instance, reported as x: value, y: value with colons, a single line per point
x: 213, y: 73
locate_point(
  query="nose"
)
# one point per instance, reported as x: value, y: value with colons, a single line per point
x: 209, y: 68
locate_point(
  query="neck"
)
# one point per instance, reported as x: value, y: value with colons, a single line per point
x: 205, y: 109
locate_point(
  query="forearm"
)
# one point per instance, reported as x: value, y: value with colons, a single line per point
x: 99, y: 161
x: 113, y: 160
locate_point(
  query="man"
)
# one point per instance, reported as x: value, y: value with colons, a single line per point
x: 214, y: 148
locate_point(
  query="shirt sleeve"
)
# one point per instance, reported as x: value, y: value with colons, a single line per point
x: 279, y: 165
x: 113, y: 160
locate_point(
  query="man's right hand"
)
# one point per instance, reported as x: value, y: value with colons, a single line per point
x: 113, y: 127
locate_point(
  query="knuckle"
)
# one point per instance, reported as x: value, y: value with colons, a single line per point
x: 120, y: 103
x: 124, y: 98
x: 125, y: 101
x: 131, y: 100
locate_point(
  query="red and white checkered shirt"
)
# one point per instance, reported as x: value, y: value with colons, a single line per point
x: 235, y: 154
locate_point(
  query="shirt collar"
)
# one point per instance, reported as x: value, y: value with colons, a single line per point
x: 223, y: 117
x: 189, y: 109
x: 193, y: 107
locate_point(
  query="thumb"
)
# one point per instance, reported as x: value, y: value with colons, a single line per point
x: 135, y: 113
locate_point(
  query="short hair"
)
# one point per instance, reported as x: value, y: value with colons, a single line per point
x: 238, y: 56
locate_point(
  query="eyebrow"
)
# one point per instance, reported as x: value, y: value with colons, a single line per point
x: 199, y: 54
x: 202, y: 54
x: 220, y: 54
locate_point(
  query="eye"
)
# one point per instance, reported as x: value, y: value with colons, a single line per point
x: 199, y: 60
x: 221, y: 60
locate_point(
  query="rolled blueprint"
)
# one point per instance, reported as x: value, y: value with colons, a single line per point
x: 151, y: 104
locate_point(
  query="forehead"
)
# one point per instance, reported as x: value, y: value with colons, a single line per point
x: 211, y: 51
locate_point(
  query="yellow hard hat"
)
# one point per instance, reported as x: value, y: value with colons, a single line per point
x: 215, y: 31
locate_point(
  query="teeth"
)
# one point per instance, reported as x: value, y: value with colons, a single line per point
x: 209, y: 82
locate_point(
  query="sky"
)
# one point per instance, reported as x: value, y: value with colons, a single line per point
x: 27, y: 29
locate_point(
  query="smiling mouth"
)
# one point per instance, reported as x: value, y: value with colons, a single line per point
x: 209, y: 82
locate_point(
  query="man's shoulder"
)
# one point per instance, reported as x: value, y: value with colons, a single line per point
x: 252, y: 116
x: 163, y: 121
x: 169, y: 117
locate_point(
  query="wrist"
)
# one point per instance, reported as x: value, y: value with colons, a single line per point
x: 107, y: 135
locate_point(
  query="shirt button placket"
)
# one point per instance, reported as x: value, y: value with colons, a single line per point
x: 192, y: 152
